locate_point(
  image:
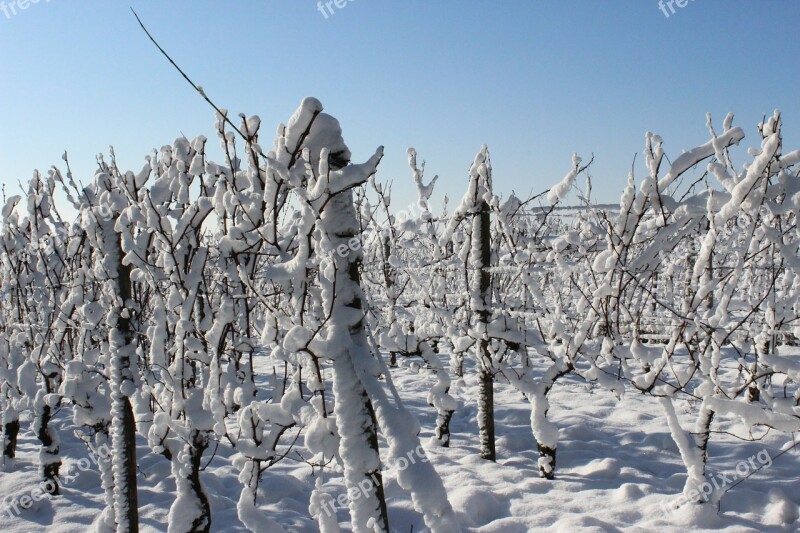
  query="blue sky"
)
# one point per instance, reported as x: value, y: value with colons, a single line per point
x: 534, y: 80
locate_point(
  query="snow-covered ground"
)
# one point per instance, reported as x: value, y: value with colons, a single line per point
x: 618, y: 469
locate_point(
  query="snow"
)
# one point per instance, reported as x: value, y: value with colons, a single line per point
x: 618, y: 468
x: 560, y: 190
x: 606, y: 338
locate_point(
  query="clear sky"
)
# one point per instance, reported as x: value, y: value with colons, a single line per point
x: 534, y: 80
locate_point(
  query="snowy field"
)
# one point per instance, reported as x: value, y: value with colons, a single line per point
x: 501, y: 281
x: 591, y: 370
x: 618, y: 470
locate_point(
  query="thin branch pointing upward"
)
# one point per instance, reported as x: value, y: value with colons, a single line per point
x: 187, y: 78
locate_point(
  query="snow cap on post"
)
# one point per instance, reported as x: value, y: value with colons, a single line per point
x: 310, y: 128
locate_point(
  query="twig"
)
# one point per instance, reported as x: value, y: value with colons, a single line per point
x: 765, y: 466
x: 196, y: 87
